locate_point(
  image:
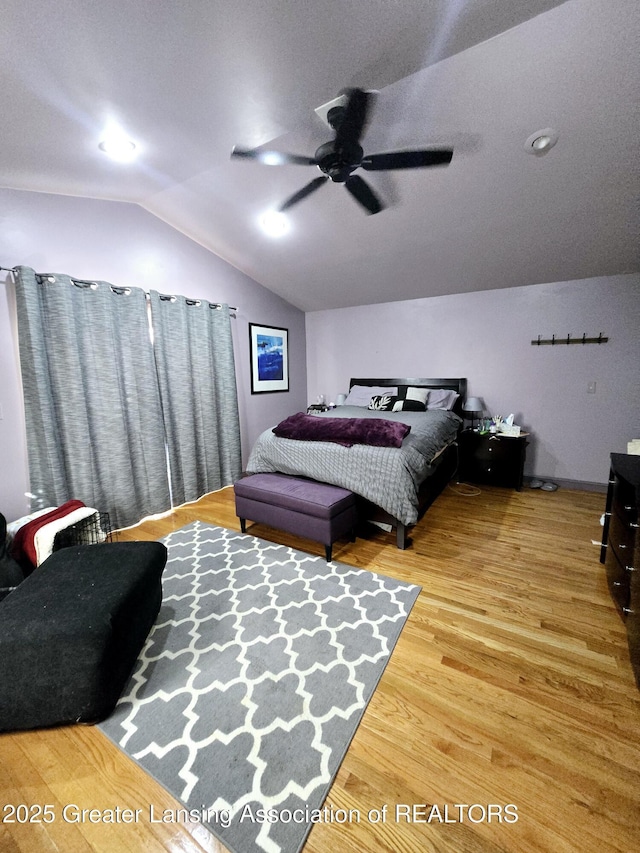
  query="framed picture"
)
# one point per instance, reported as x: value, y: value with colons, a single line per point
x: 269, y: 359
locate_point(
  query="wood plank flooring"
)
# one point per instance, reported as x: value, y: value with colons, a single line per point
x: 509, y: 692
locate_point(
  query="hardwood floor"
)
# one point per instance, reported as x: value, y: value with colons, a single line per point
x: 509, y: 693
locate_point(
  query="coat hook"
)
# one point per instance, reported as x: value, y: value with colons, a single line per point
x: 553, y: 340
x: 584, y: 335
x: 568, y: 339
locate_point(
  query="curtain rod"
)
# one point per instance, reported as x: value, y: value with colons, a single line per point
x: 83, y: 281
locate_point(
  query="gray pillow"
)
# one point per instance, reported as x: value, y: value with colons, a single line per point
x: 360, y: 395
x: 441, y: 398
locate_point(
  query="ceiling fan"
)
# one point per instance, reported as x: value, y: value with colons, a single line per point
x: 341, y: 156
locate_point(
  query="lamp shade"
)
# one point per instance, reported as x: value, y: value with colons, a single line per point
x: 473, y: 407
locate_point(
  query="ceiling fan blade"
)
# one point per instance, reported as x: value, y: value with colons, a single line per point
x: 363, y: 193
x: 312, y: 186
x: 406, y: 159
x: 354, y: 119
x: 272, y: 158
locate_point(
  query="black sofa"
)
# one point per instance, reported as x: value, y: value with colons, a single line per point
x: 70, y: 633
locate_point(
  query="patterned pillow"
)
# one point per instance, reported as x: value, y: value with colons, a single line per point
x: 381, y: 402
x: 385, y: 403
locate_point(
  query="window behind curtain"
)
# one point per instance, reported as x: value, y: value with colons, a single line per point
x: 99, y: 408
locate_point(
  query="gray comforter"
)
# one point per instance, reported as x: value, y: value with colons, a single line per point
x: 387, y: 476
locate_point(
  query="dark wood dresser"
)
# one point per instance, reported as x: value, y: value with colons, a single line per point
x: 620, y: 550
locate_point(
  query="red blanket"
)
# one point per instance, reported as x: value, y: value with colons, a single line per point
x: 23, y: 548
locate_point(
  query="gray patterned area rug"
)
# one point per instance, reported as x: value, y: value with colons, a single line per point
x: 253, y: 681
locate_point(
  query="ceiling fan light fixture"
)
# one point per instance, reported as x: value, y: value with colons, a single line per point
x: 274, y: 223
x: 541, y: 141
x: 339, y: 158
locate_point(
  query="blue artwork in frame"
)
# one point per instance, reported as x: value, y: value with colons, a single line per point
x: 269, y: 348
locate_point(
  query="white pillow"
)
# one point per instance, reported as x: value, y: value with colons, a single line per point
x: 360, y: 395
x: 418, y: 394
x: 441, y: 398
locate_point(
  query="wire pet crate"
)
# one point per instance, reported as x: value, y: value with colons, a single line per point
x: 92, y: 530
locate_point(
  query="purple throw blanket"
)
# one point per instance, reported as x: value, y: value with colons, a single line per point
x: 377, y: 432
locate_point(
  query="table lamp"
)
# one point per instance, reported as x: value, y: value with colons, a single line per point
x: 472, y: 409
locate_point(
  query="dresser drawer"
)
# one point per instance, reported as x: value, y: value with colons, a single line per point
x: 620, y: 549
x: 622, y: 538
x: 633, y: 624
x: 618, y: 582
x: 624, y: 500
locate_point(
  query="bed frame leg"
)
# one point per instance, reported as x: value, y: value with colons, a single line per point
x: 401, y: 536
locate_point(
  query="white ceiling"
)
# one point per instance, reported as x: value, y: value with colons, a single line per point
x: 190, y: 80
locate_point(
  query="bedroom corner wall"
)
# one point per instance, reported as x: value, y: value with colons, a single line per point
x: 122, y: 243
x: 486, y: 336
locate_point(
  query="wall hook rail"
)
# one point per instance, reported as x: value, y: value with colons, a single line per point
x: 553, y: 341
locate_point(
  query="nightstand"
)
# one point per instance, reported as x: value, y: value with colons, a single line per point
x: 492, y: 459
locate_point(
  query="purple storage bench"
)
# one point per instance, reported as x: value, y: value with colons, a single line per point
x: 314, y: 510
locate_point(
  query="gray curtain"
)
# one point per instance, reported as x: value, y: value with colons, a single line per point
x: 93, y: 410
x: 196, y: 372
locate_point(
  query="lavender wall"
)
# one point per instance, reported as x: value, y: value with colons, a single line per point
x: 125, y: 245
x: 486, y: 337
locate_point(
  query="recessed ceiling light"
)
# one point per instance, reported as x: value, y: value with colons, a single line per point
x: 117, y: 145
x: 541, y: 141
x: 274, y: 223
x: 272, y: 158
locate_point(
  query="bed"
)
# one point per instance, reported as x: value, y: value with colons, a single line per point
x: 394, y: 484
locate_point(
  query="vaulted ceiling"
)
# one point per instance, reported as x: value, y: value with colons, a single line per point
x: 188, y: 81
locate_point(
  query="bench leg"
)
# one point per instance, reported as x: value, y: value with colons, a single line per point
x: 327, y: 552
x: 243, y: 525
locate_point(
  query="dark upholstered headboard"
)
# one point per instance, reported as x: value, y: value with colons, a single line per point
x: 457, y: 385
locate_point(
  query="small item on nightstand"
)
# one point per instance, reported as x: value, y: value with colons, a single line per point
x: 512, y: 431
x: 508, y: 428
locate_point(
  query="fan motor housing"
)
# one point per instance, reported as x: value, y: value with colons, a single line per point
x: 338, y: 165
